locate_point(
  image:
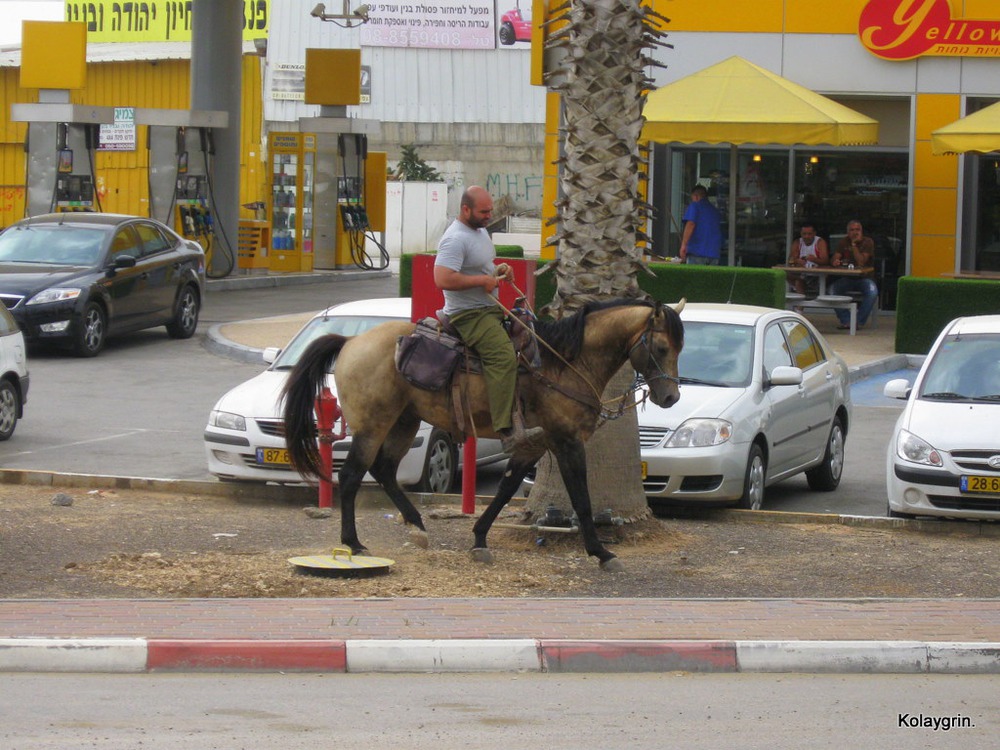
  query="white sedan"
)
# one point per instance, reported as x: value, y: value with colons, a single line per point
x: 244, y: 438
x: 944, y: 455
x: 763, y: 398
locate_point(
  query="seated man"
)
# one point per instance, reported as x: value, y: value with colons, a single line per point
x: 807, y: 251
x: 855, y: 251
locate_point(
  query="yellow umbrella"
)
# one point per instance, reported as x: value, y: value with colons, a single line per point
x: 735, y: 101
x: 979, y: 131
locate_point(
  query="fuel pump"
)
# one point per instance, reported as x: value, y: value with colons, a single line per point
x: 73, y: 189
x: 354, y: 230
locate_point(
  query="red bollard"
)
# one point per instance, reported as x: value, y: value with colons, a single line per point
x: 469, y: 476
x: 327, y: 414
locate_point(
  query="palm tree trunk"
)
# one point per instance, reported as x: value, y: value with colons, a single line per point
x: 600, y: 214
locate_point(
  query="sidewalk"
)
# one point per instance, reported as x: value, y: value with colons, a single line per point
x: 552, y: 635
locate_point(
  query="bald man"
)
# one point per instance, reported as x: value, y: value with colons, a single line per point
x: 464, y: 271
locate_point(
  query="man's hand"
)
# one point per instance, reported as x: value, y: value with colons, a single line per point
x: 504, y: 272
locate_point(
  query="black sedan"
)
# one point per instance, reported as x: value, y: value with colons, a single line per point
x: 74, y: 279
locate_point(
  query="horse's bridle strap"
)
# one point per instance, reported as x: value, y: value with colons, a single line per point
x: 579, y: 396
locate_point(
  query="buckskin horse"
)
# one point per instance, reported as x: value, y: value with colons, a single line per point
x: 579, y: 354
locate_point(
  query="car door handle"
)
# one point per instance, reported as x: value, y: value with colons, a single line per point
x: 143, y: 275
x: 178, y: 266
x: 829, y: 375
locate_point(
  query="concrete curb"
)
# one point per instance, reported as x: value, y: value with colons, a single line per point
x: 137, y: 655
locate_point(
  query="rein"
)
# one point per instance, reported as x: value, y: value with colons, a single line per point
x: 596, y: 403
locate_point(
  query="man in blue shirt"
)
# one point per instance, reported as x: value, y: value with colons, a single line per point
x: 701, y: 242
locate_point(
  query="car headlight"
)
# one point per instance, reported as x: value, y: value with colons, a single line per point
x: 909, y: 447
x: 227, y: 421
x: 700, y: 433
x: 55, y: 294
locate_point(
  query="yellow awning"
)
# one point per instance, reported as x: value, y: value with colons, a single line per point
x: 737, y: 102
x: 979, y: 131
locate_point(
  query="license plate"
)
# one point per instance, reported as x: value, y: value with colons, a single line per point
x: 645, y: 469
x: 988, y: 485
x: 272, y: 457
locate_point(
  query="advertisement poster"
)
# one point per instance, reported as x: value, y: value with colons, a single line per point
x: 467, y: 25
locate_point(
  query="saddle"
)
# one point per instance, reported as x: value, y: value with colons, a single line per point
x: 430, y: 357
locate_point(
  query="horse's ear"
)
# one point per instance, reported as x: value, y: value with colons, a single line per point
x: 680, y: 305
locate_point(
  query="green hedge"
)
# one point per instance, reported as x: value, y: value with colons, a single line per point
x: 924, y: 306
x: 406, y: 265
x: 746, y: 286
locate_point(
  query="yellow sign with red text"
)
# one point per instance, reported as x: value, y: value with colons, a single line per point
x: 905, y: 29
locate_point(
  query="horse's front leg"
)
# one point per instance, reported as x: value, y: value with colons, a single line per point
x: 572, y: 459
x: 517, y: 469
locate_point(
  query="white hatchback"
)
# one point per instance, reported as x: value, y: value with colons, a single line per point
x: 244, y: 438
x: 14, y: 377
x: 763, y: 398
x: 944, y: 455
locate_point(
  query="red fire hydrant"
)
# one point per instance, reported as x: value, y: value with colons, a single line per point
x: 327, y: 414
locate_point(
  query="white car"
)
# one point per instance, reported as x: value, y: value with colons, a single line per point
x: 244, y: 438
x: 14, y: 377
x: 944, y: 455
x: 763, y: 398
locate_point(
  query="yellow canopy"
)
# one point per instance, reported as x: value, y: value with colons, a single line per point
x: 737, y: 102
x: 979, y: 131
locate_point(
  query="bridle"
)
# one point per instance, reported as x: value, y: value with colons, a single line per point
x: 643, y: 341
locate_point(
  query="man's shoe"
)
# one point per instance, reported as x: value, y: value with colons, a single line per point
x: 518, y: 438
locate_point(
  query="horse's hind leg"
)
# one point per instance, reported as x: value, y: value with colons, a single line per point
x: 384, y: 470
x: 517, y: 468
x: 572, y: 459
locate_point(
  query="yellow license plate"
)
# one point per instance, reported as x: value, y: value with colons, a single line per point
x: 272, y: 457
x: 645, y: 469
x: 987, y: 485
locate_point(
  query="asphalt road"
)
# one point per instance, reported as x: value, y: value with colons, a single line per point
x: 140, y: 408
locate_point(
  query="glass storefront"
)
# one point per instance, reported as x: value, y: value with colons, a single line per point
x: 981, y: 215
x: 779, y: 188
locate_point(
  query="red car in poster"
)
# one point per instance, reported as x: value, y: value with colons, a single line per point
x: 513, y: 27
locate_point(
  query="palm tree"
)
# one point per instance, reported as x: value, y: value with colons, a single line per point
x: 603, y: 51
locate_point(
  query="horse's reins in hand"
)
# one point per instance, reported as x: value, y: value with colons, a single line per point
x: 604, y: 414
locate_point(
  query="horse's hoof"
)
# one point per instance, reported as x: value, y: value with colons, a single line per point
x: 419, y: 537
x: 482, y: 555
x: 613, y: 565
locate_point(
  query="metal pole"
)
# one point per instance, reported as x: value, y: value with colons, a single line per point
x: 469, y: 476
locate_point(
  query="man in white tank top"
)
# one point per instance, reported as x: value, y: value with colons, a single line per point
x: 807, y: 251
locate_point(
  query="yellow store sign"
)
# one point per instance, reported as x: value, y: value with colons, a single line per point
x: 905, y: 29
x: 155, y: 20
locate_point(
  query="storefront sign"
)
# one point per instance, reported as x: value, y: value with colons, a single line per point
x: 121, y: 135
x: 905, y: 29
x: 155, y: 20
x: 470, y: 24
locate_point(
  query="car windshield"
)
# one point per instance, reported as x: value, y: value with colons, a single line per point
x: 52, y: 245
x: 718, y: 354
x: 965, y: 367
x: 345, y: 325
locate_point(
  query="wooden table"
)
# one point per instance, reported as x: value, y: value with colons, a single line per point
x: 826, y: 271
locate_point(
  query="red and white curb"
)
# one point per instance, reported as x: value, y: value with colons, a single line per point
x: 480, y: 655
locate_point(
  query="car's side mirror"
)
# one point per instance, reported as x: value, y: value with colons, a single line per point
x: 785, y: 375
x: 271, y: 353
x: 898, y: 388
x: 122, y: 261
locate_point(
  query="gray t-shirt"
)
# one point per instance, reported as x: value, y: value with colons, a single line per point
x: 469, y: 251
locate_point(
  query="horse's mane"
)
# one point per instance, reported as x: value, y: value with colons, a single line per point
x: 566, y: 335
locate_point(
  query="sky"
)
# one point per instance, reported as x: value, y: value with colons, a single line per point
x: 13, y: 12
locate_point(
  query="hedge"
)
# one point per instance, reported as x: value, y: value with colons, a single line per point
x: 925, y: 306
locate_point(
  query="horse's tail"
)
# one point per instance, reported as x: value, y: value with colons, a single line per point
x: 304, y: 384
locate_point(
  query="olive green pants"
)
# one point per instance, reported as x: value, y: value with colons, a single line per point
x: 481, y: 329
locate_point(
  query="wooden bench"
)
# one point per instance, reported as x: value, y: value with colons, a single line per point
x: 794, y: 300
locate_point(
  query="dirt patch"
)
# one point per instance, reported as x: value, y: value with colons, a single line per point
x: 123, y: 544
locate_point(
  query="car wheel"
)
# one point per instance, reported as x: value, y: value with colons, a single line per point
x: 91, y: 331
x: 507, y: 33
x: 753, y: 481
x: 826, y: 476
x: 10, y: 407
x: 440, y: 464
x: 186, y: 321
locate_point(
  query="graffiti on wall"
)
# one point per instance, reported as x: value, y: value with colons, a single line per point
x: 524, y: 189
